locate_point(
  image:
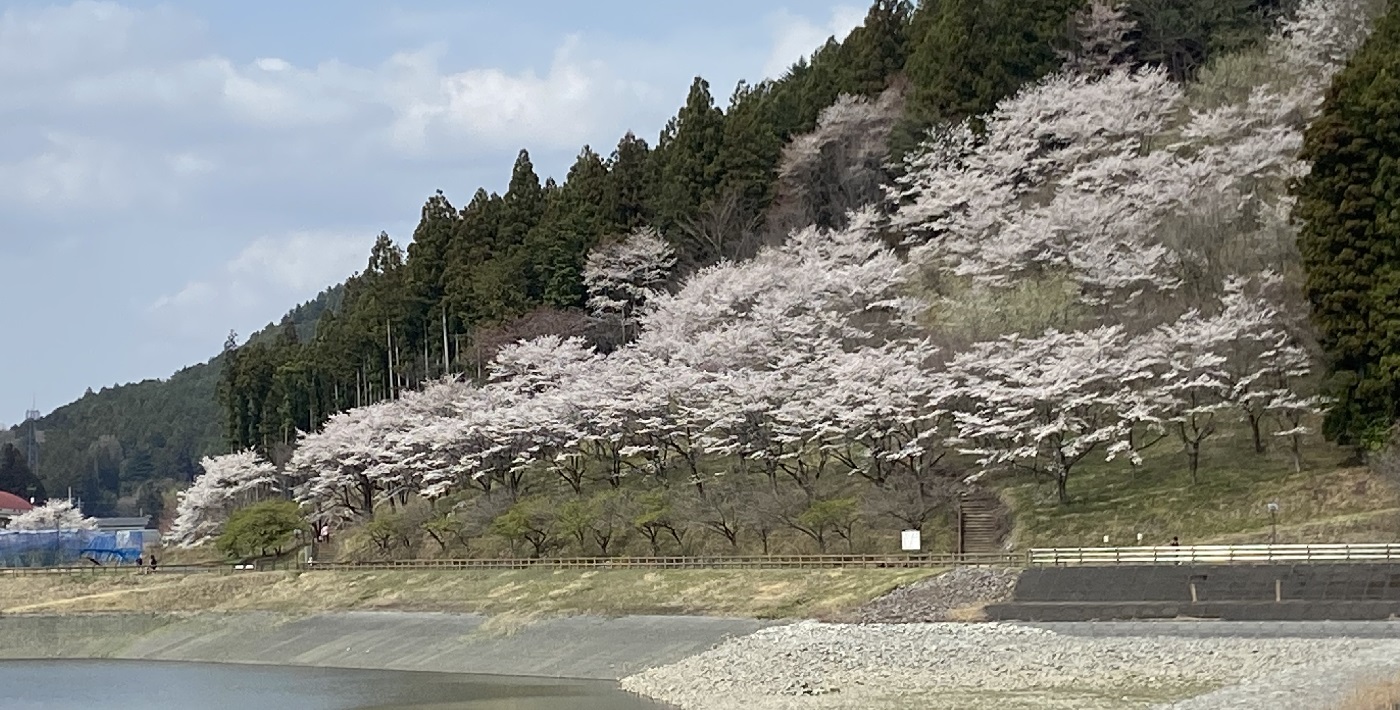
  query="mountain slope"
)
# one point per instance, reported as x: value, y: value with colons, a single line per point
x: 717, y: 181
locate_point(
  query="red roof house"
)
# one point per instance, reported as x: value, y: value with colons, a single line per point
x: 10, y: 506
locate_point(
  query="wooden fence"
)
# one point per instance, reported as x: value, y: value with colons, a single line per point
x: 1098, y: 556
x: 90, y: 569
x: 744, y: 562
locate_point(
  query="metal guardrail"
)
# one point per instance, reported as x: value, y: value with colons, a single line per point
x: 739, y: 562
x: 1215, y: 554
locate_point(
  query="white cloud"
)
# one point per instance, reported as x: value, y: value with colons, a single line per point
x: 134, y: 109
x: 186, y: 164
x: 261, y: 282
x: 796, y: 37
x: 302, y: 261
x: 558, y: 109
x: 137, y: 141
x: 272, y: 64
x: 195, y: 294
x: 75, y: 169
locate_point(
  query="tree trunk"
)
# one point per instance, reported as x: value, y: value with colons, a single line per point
x: 367, y: 496
x: 1254, y: 431
x: 1193, y: 459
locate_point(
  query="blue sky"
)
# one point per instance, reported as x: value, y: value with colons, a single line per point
x: 170, y: 171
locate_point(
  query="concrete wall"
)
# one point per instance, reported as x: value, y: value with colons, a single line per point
x: 571, y: 647
x: 1302, y: 592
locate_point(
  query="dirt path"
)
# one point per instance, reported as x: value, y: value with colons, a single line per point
x: 58, y: 604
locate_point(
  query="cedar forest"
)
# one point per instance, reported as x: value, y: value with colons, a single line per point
x: 974, y: 238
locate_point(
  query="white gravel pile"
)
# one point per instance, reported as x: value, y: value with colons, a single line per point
x: 984, y: 666
x: 933, y: 599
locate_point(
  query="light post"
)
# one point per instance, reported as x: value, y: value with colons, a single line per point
x: 1273, y: 522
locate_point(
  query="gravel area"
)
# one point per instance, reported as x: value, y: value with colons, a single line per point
x: 939, y: 598
x: 812, y: 665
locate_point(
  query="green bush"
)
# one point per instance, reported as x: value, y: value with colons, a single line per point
x: 265, y: 528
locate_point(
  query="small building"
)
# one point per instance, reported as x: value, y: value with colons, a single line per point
x: 12, y: 505
x: 135, y: 529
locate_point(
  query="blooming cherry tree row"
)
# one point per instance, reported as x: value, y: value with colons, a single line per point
x: 813, y: 360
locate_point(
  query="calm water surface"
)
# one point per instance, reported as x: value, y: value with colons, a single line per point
x: 139, y: 685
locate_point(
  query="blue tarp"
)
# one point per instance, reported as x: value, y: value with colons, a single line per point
x: 47, y: 548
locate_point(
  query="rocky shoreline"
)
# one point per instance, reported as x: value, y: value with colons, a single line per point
x: 904, y: 650
x: 815, y: 665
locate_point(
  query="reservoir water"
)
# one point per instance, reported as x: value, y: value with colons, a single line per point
x: 142, y: 685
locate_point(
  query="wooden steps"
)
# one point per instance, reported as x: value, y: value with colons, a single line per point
x: 979, y: 525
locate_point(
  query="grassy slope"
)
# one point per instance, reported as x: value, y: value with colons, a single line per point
x: 742, y: 593
x: 1326, y: 502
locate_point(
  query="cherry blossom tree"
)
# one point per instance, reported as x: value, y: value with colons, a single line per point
x: 228, y: 482
x: 1272, y: 369
x: 1060, y: 181
x: 622, y: 276
x: 1042, y: 404
x: 56, y: 514
x: 886, y: 410
x: 347, y: 467
x: 1192, y: 390
x: 1240, y: 360
x: 1322, y: 36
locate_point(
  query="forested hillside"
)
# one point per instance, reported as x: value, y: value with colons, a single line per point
x: 1085, y: 258
x: 723, y: 179
x: 125, y: 449
x: 718, y: 182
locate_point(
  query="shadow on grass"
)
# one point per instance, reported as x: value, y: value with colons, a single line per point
x: 1229, y: 497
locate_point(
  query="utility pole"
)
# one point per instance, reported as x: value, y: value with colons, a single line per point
x: 445, y: 367
x: 31, y: 418
x: 389, y: 353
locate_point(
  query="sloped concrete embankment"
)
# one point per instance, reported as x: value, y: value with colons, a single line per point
x: 1278, y: 592
x: 568, y: 647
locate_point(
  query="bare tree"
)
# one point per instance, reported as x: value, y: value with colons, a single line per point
x: 1100, y: 34
x: 722, y: 229
x: 838, y: 167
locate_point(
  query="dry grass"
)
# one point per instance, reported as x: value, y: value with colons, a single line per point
x: 977, y: 612
x: 520, y: 593
x: 1384, y: 695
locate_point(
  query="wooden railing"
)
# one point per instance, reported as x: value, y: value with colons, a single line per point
x: 1099, y: 556
x: 109, y: 570
x: 1216, y: 554
x: 743, y: 562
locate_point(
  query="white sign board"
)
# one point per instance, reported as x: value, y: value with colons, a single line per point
x: 910, y: 540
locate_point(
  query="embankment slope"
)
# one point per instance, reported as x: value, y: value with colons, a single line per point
x: 561, y: 647
x: 550, y: 623
x: 753, y: 593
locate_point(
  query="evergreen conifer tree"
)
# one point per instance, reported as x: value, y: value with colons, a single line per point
x: 1349, y: 206
x: 688, y: 156
x: 630, y: 190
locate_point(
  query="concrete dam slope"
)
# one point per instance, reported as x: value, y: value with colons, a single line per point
x: 1301, y: 592
x: 564, y: 647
